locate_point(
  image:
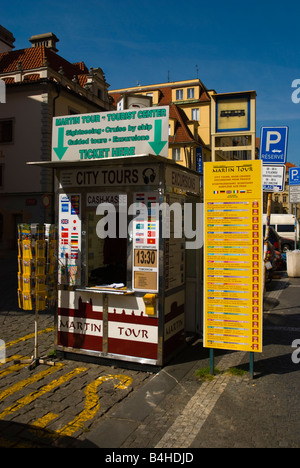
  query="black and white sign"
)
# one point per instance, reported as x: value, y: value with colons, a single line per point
x: 273, y: 178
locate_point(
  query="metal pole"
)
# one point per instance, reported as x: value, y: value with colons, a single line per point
x: 267, y: 235
x: 295, y: 208
x: 212, y: 361
x: 36, y: 334
x: 251, y: 365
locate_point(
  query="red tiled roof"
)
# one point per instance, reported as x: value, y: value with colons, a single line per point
x: 165, y: 94
x: 34, y: 57
x: 288, y: 165
x: 182, y: 133
x: 9, y: 80
x: 32, y: 77
x: 29, y: 58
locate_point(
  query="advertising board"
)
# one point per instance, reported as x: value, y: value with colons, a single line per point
x: 114, y: 134
x: 233, y: 256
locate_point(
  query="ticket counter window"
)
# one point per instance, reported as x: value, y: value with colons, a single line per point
x: 107, y: 258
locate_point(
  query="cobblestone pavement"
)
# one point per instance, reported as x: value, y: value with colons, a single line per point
x: 49, y: 406
x: 78, y: 404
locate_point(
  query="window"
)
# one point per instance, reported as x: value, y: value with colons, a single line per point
x: 176, y: 154
x: 6, y: 131
x: 285, y: 228
x: 195, y: 114
x: 73, y: 111
x: 179, y: 94
x: 191, y: 93
x: 107, y: 258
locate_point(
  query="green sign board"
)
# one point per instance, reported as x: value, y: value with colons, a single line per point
x: 114, y: 134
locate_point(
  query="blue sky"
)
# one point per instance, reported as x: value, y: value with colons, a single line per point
x: 229, y: 45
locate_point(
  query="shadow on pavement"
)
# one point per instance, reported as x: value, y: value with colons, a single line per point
x: 19, y: 435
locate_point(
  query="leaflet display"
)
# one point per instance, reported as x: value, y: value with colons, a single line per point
x: 37, y: 266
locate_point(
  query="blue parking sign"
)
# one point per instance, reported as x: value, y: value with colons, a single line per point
x: 273, y: 145
x: 294, y: 176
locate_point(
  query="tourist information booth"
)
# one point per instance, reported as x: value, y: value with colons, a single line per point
x: 129, y: 256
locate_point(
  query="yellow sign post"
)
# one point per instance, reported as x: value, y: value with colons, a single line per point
x: 233, y: 270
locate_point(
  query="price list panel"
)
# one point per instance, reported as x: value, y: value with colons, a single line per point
x: 233, y: 270
x: 145, y: 243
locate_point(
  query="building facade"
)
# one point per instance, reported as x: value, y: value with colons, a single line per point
x: 39, y: 85
x: 189, y: 117
x: 193, y: 137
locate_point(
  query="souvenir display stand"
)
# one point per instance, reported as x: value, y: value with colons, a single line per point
x: 37, y: 274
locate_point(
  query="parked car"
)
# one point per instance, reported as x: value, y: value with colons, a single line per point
x: 287, y: 244
x: 284, y: 225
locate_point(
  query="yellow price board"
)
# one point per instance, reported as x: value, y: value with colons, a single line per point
x: 233, y: 256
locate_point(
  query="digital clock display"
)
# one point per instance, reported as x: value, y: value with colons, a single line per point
x: 145, y: 258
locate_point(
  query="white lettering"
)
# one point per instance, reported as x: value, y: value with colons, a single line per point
x: 109, y: 220
x: 270, y: 141
x: 115, y: 458
x: 141, y: 213
x: 295, y: 354
x: 295, y: 94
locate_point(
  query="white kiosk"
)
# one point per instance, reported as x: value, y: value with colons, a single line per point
x: 129, y: 247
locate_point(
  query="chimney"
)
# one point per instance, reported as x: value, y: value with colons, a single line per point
x: 6, y: 40
x: 48, y: 40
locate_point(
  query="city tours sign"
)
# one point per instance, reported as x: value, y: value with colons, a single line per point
x: 233, y: 253
x: 113, y: 134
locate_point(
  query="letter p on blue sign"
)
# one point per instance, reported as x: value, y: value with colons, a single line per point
x: 273, y: 145
x: 2, y: 92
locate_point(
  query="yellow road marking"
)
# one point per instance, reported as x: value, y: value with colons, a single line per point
x: 125, y: 381
x: 47, y: 388
x: 92, y: 404
x: 27, y: 337
x: 35, y: 428
x: 23, y: 338
x: 45, y: 420
x: 23, y: 383
x: 13, y: 368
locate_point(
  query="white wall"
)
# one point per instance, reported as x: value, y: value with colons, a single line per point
x: 25, y: 110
